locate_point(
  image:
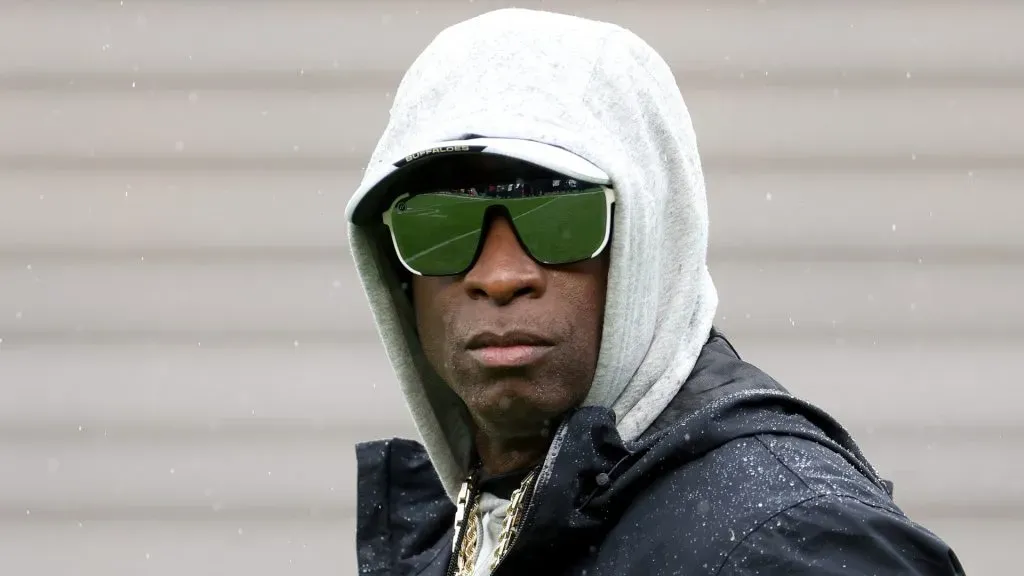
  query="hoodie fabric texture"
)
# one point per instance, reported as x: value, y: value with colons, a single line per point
x: 683, y: 459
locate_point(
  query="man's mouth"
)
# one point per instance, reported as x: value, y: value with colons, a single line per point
x: 509, y: 349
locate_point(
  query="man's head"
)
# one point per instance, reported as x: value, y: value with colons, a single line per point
x: 517, y: 340
x: 625, y: 321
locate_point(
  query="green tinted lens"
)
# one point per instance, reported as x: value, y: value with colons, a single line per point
x: 437, y: 234
x: 562, y: 228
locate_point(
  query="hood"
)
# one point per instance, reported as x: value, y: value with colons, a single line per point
x: 599, y: 91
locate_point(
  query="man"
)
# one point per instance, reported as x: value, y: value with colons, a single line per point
x: 553, y: 337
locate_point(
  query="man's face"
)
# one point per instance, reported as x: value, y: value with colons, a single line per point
x: 516, y: 340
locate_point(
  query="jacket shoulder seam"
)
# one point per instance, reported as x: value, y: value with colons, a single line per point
x: 786, y: 466
x: 833, y: 492
x: 761, y: 525
x: 815, y: 498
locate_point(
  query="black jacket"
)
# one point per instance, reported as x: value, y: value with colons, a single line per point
x: 735, y: 477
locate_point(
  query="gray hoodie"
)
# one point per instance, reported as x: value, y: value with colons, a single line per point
x: 601, y: 92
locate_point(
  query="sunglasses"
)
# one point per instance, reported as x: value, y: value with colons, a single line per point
x: 557, y: 221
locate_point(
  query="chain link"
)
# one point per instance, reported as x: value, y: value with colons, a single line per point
x: 468, y: 512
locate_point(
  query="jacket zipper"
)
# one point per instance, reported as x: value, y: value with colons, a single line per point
x: 527, y: 517
x: 467, y: 508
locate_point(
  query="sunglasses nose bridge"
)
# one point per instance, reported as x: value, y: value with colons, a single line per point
x: 503, y: 270
x: 496, y: 219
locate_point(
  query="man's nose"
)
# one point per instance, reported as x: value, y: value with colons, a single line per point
x: 504, y: 272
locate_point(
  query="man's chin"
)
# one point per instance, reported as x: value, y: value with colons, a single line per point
x: 517, y: 415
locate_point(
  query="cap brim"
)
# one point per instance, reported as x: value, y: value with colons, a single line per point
x: 371, y: 197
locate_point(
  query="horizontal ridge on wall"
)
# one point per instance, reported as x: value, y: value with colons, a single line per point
x: 724, y: 77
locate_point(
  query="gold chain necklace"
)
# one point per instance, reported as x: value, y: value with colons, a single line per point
x: 468, y: 512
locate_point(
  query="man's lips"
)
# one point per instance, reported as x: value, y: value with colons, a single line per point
x: 506, y: 339
x: 508, y: 356
x: 508, y: 349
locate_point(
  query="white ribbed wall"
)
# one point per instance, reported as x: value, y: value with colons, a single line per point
x: 186, y: 358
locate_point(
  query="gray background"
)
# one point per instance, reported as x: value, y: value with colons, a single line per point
x: 186, y: 357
